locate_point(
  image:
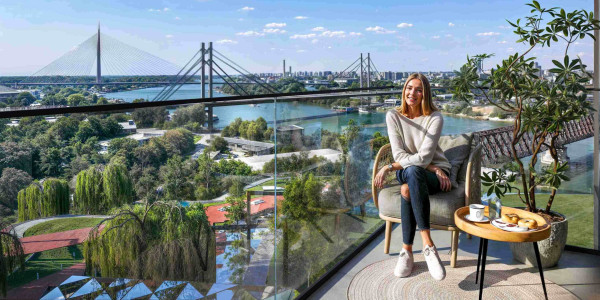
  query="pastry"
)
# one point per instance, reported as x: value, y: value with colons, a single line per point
x: 510, y: 218
x: 528, y: 223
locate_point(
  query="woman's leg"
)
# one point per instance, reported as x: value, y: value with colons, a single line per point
x: 409, y: 224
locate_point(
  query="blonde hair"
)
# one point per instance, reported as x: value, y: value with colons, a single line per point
x: 427, y: 106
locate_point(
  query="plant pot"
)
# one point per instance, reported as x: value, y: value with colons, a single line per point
x: 551, y: 249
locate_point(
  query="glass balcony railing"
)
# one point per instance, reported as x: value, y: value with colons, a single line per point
x: 263, y: 206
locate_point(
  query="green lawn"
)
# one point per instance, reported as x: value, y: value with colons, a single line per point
x: 214, y: 203
x: 280, y: 183
x: 46, y: 263
x: 579, y: 210
x: 60, y: 225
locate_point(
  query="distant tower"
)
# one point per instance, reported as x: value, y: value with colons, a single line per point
x: 284, y: 68
x: 98, y: 67
x: 290, y: 73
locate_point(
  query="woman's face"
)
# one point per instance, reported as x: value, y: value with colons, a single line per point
x: 413, y: 93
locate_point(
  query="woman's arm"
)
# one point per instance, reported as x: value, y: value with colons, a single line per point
x: 445, y: 184
x: 396, y: 139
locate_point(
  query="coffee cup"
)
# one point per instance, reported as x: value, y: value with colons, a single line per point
x: 476, y: 212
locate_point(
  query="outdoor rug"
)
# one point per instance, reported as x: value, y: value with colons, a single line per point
x: 377, y: 281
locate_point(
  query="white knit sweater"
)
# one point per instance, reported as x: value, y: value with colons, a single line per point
x: 415, y: 141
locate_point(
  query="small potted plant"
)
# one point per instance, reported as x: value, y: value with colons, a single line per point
x: 541, y: 108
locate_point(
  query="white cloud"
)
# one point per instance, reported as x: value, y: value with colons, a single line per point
x: 491, y: 33
x: 435, y: 37
x: 303, y: 36
x: 355, y: 33
x: 329, y: 47
x: 510, y: 49
x: 275, y: 25
x: 301, y: 17
x: 169, y: 36
x: 448, y: 35
x: 404, y: 25
x: 241, y: 19
x: 318, y: 29
x: 504, y: 27
x: 379, y: 30
x: 314, y: 41
x: 246, y: 8
x: 250, y: 33
x: 177, y: 18
x: 581, y: 54
x: 158, y: 9
x: 502, y: 42
x: 333, y: 34
x: 301, y: 51
x: 451, y: 24
x: 226, y: 41
x: 274, y: 30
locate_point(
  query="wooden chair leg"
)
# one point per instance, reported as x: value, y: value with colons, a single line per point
x: 454, y: 247
x: 388, y: 236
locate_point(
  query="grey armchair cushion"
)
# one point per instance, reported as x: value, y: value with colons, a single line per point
x: 442, y: 205
x: 456, y: 149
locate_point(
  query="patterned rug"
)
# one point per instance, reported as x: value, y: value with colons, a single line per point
x: 377, y: 281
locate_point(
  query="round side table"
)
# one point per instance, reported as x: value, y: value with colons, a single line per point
x: 486, y: 231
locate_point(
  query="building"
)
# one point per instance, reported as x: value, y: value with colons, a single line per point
x: 248, y: 146
x: 392, y: 102
x: 6, y: 92
x: 128, y: 127
x: 291, y: 134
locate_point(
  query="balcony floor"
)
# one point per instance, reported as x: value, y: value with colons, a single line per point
x: 577, y: 272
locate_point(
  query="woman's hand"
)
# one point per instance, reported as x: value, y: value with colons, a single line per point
x: 445, y: 184
x: 380, y: 177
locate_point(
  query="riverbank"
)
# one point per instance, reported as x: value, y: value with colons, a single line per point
x: 485, y: 112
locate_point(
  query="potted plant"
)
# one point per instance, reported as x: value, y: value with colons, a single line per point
x: 541, y: 108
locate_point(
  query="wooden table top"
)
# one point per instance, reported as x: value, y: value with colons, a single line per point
x: 488, y: 231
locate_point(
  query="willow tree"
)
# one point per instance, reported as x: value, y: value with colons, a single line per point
x: 117, y: 185
x: 29, y: 200
x: 55, y: 199
x: 88, y: 191
x: 11, y: 254
x: 158, y: 241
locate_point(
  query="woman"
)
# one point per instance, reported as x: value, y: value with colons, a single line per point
x: 421, y: 168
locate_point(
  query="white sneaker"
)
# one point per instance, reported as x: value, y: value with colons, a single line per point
x: 434, y: 263
x: 405, y: 264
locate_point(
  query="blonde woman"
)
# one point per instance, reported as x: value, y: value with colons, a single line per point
x: 421, y: 168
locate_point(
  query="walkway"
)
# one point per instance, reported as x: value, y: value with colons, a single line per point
x: 43, y: 242
x: 22, y: 227
x: 36, y: 288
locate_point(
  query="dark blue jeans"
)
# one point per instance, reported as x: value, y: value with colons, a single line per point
x: 421, y: 184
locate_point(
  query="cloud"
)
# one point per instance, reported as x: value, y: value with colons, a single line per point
x: 451, y: 24
x: 177, y: 18
x: 318, y: 29
x: 274, y: 30
x: 448, y: 35
x: 250, y: 33
x: 300, y: 17
x: 580, y: 53
x: 379, y: 30
x: 504, y: 27
x: 328, y: 33
x: 435, y: 37
x: 226, y: 41
x: 510, y: 49
x: 502, y: 42
x: 158, y: 9
x: 355, y: 33
x: 491, y: 33
x: 329, y: 47
x: 300, y: 51
x: 303, y: 36
x: 404, y: 25
x: 314, y: 41
x: 275, y: 25
x: 246, y: 8
x: 169, y: 36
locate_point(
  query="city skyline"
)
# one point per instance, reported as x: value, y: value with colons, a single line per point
x: 310, y: 36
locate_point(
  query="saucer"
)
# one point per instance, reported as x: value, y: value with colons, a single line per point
x: 485, y: 219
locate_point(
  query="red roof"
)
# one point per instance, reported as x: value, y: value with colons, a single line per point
x: 216, y: 216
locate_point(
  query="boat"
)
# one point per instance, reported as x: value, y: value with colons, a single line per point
x: 346, y: 109
x: 365, y: 109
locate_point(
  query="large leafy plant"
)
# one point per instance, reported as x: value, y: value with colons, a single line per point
x: 541, y: 107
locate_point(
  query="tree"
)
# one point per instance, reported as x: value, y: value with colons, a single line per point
x: 25, y: 99
x: 181, y: 140
x: 65, y: 128
x: 52, y: 162
x: 88, y: 191
x: 236, y: 210
x: 30, y: 202
x: 11, y: 182
x: 176, y: 175
x: 219, y: 144
x: 117, y: 185
x: 55, y: 197
x: 150, y: 117
x: 125, y: 147
x: 190, y: 114
x: 11, y: 254
x: 76, y: 100
x: 208, y: 186
x: 159, y: 241
x: 232, y: 167
x: 16, y: 155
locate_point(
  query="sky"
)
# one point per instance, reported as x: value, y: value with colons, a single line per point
x: 310, y: 35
